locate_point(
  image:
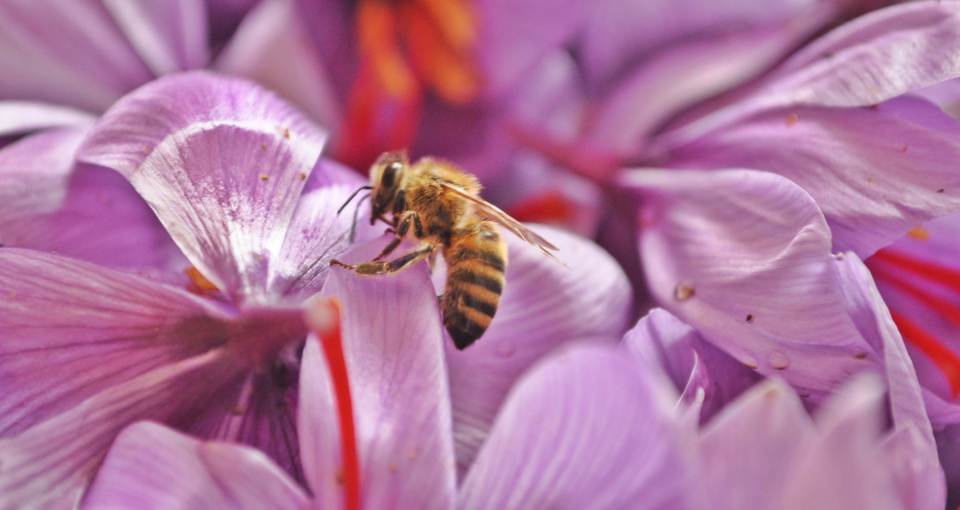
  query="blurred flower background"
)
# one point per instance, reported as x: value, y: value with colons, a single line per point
x: 756, y: 205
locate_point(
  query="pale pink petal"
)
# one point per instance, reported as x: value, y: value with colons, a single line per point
x: 744, y: 257
x: 151, y: 466
x: 844, y: 466
x: 169, y: 36
x: 747, y: 451
x: 875, y: 173
x: 50, y: 204
x: 72, y: 329
x: 392, y: 343
x: 17, y: 117
x: 689, y: 362
x: 221, y: 162
x: 618, y: 32
x: 877, y: 56
x: 69, y: 53
x: 514, y: 35
x: 910, y: 449
x: 872, y: 59
x: 685, y: 73
x: 273, y: 48
x: 586, y: 429
x: 317, y: 233
x: 583, y: 297
x: 48, y: 465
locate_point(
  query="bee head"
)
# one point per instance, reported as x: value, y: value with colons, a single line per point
x: 385, y: 177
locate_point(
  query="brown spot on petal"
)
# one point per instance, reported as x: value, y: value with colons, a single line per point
x: 302, y: 176
x: 749, y: 317
x: 919, y: 233
x: 792, y: 119
x: 940, y: 190
x: 683, y: 291
x: 860, y: 355
x: 286, y: 133
x: 264, y: 177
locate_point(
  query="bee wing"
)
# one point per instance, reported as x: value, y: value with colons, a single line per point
x: 493, y: 213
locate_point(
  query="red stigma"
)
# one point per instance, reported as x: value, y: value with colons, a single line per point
x: 944, y: 358
x: 549, y: 207
x: 330, y: 338
x: 885, y: 265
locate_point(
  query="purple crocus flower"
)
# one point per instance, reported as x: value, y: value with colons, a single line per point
x: 105, y: 48
x: 742, y: 434
x: 232, y: 174
x: 589, y: 426
x: 739, y: 250
x: 918, y: 278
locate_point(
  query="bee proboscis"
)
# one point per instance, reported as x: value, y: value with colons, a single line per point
x: 440, y: 206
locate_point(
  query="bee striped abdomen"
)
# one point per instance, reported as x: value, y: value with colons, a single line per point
x: 476, y: 262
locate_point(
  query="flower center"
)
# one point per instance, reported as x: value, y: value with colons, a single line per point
x: 325, y: 322
x: 888, y: 266
x: 405, y: 47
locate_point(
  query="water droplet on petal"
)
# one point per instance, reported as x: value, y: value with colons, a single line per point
x: 778, y: 360
x: 683, y: 291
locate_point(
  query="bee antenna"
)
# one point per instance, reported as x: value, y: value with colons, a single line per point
x: 350, y: 198
x: 356, y: 212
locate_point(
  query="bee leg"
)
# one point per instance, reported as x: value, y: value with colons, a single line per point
x: 378, y: 267
x: 408, y: 218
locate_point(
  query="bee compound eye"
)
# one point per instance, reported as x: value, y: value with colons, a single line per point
x: 390, y: 173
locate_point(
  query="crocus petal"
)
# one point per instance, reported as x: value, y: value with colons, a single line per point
x: 48, y: 203
x: 616, y: 32
x: 692, y: 364
x: 911, y: 450
x: 47, y: 43
x: 508, y: 43
x: 876, y: 57
x: 585, y: 429
x: 746, y: 451
x: 545, y: 304
x: 17, y: 117
x: 685, y: 73
x: 151, y: 466
x: 47, y: 466
x: 872, y: 59
x: 272, y: 47
x: 102, y: 327
x: 168, y: 36
x: 392, y: 346
x: 844, y: 467
x: 317, y: 233
x: 744, y: 257
x: 875, y: 173
x: 220, y: 161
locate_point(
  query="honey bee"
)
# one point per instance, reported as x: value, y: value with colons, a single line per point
x: 440, y: 205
